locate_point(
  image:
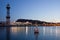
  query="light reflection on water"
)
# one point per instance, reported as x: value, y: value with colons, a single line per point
x: 27, y: 33
x: 26, y: 30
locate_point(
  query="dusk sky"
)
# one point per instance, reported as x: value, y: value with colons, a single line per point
x: 44, y: 10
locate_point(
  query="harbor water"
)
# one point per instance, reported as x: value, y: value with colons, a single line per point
x: 27, y: 33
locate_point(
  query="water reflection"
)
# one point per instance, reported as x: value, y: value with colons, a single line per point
x: 17, y: 29
x: 36, y: 36
x: 26, y: 30
x: 14, y: 29
x: 8, y: 33
x: 36, y: 33
x: 51, y: 30
x: 43, y: 30
x: 56, y: 31
x: 1, y: 29
x: 2, y: 33
x: 27, y: 33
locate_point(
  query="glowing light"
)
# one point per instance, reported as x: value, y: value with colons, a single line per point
x: 44, y: 30
x: 14, y: 29
x: 26, y: 30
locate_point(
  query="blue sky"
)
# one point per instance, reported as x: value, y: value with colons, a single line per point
x: 44, y: 10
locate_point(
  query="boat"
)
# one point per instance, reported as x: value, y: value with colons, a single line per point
x: 36, y: 31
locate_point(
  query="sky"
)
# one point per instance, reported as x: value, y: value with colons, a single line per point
x: 43, y: 10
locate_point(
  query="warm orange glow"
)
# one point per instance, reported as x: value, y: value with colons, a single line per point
x: 14, y: 29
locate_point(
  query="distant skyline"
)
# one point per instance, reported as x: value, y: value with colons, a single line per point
x: 44, y: 10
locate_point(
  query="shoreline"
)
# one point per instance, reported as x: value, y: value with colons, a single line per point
x: 28, y: 25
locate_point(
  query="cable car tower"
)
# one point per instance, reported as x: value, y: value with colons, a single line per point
x: 8, y: 15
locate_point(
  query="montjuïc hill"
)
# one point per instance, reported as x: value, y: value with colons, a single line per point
x: 30, y: 22
x: 37, y: 22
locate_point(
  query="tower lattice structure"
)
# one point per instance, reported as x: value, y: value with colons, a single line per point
x: 8, y: 15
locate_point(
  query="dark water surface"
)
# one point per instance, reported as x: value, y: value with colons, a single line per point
x: 27, y: 33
